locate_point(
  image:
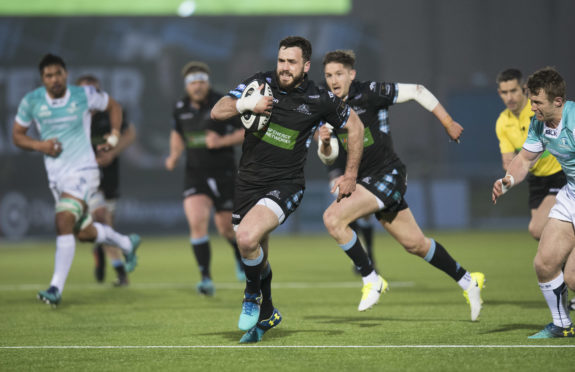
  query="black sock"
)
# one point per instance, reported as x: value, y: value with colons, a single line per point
x: 237, y: 254
x: 355, y: 251
x: 367, y: 233
x: 202, y: 252
x: 121, y: 272
x: 440, y: 258
x: 252, y: 269
x: 267, y: 307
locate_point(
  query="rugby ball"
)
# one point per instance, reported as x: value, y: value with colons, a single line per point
x: 255, y: 121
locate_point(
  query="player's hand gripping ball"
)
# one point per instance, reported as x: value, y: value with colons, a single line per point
x: 250, y: 120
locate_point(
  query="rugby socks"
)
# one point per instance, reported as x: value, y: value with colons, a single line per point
x: 355, y: 251
x: 267, y: 306
x: 252, y: 269
x: 65, y: 248
x: 555, y: 293
x: 120, y: 269
x: 108, y: 235
x: 438, y: 257
x: 237, y: 254
x: 366, y: 228
x: 202, y: 251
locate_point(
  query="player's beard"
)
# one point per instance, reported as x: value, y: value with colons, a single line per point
x: 296, y: 80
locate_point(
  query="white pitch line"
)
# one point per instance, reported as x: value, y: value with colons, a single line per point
x: 289, y: 347
x: 278, y: 285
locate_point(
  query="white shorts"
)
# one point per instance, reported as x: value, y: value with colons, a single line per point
x: 564, y: 208
x: 99, y: 201
x: 81, y: 184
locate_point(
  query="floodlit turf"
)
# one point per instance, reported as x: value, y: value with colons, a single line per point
x: 422, y: 323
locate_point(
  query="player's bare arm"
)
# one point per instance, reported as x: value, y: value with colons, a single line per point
x: 516, y: 172
x: 105, y: 158
x: 51, y: 147
x: 506, y: 159
x: 346, y: 183
x: 227, y: 107
x: 427, y: 100
x: 115, y: 112
x: 176, y: 148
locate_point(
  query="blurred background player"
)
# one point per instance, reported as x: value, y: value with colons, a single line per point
x: 103, y: 204
x: 210, y: 167
x: 270, y: 183
x: 382, y: 179
x: 551, y: 129
x: 545, y: 178
x: 62, y: 116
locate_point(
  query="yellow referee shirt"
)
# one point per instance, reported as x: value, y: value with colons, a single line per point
x: 512, y: 133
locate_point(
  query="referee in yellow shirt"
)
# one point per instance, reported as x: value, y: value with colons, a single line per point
x: 545, y: 178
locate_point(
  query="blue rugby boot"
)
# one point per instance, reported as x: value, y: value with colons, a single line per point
x: 256, y: 333
x: 131, y: 258
x: 552, y: 331
x: 206, y: 287
x: 250, y: 311
x: 51, y: 296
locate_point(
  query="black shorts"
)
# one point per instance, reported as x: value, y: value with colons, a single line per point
x: 219, y: 188
x: 287, y: 196
x: 110, y: 180
x: 540, y: 187
x: 389, y: 187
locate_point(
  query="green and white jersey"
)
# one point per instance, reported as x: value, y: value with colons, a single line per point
x: 67, y: 119
x: 558, y: 141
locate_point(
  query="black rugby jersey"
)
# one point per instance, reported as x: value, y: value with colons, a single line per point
x: 109, y: 176
x: 371, y: 100
x: 191, y: 124
x: 277, y: 153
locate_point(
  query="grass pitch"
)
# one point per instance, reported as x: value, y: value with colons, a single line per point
x: 160, y: 323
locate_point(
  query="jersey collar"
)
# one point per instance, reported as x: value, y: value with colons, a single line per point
x: 58, y: 102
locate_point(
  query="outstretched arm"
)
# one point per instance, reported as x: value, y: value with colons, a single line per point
x: 516, y: 173
x: 425, y: 98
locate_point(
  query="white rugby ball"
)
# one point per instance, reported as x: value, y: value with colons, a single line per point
x: 255, y: 121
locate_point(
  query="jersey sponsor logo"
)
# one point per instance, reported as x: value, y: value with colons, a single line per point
x: 62, y: 119
x: 551, y: 133
x: 330, y: 94
x: 279, y: 136
x: 303, y: 109
x: 196, y: 139
x: 367, y: 138
x: 275, y: 100
x: 186, y: 115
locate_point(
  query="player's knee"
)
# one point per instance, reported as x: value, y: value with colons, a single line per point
x: 332, y: 222
x: 570, y: 280
x: 415, y: 245
x: 535, y: 230
x: 247, y: 241
x: 86, y: 235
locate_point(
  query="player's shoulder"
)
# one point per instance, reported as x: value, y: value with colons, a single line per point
x: 503, y: 118
x: 182, y: 103
x: 35, y: 95
x: 569, y: 114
